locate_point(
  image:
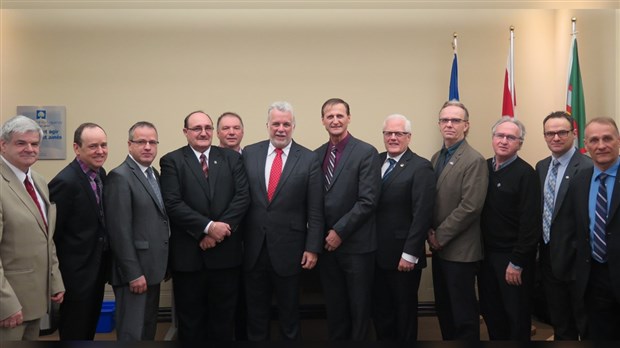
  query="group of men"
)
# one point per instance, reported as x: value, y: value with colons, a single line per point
x: 235, y: 228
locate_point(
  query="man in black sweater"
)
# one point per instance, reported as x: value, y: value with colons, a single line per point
x: 510, y: 230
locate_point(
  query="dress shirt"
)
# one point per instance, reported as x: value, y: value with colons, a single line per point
x: 339, y: 150
x: 563, y: 160
x: 594, y: 184
x: 21, y: 176
x: 503, y: 165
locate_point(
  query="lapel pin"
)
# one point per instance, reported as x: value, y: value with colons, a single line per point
x: 451, y: 163
x: 567, y: 177
x: 499, y: 184
x: 214, y: 162
x: 402, y: 165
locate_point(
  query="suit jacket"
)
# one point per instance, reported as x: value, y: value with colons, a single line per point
x: 562, y: 235
x: 29, y: 272
x: 137, y: 226
x: 405, y: 210
x: 579, y: 197
x: 192, y: 201
x: 80, y: 230
x: 461, y: 192
x: 293, y: 221
x: 351, y: 200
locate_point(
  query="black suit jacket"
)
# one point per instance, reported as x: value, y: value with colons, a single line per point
x: 80, y: 230
x: 405, y: 210
x: 351, y: 199
x: 192, y: 201
x: 137, y: 226
x: 292, y: 222
x: 580, y: 189
x: 562, y: 235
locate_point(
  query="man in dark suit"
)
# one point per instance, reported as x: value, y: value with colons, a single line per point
x: 29, y: 275
x: 81, y: 238
x: 595, y: 197
x: 557, y: 246
x: 455, y: 237
x: 205, y: 193
x: 510, y: 226
x: 138, y: 230
x: 283, y: 228
x: 352, y: 181
x: 404, y: 215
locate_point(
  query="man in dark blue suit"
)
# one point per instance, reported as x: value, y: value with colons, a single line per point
x: 557, y: 246
x: 595, y: 198
x: 81, y: 238
x: 404, y: 216
x: 283, y: 227
x: 205, y: 192
x: 352, y: 181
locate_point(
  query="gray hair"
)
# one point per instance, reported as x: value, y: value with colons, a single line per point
x: 19, y: 124
x: 281, y: 106
x: 514, y: 121
x: 398, y: 117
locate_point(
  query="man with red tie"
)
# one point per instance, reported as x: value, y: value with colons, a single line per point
x: 283, y: 227
x: 29, y: 274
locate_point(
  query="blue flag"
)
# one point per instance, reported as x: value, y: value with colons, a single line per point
x: 454, y: 80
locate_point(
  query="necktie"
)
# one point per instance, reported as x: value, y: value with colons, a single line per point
x: 99, y: 193
x: 33, y: 195
x: 203, y: 164
x: 153, y: 182
x: 599, y: 240
x: 549, y: 200
x: 389, y: 169
x: 274, y: 174
x: 331, y: 164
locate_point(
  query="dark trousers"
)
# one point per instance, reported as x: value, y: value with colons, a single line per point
x: 506, y: 308
x: 347, y: 287
x: 136, y: 314
x: 205, y: 303
x: 602, y: 306
x: 79, y: 313
x: 455, y: 299
x: 261, y: 284
x: 565, y: 313
x: 395, y: 304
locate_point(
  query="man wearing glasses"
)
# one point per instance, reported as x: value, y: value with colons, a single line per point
x: 138, y: 230
x: 510, y: 230
x: 455, y: 238
x: 205, y: 192
x: 557, y: 247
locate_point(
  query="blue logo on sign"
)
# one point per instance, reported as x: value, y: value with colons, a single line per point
x: 41, y: 114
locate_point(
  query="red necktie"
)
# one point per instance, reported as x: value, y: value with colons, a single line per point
x: 33, y: 195
x: 203, y: 163
x: 274, y: 174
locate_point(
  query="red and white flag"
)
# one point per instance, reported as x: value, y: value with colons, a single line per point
x: 509, y: 104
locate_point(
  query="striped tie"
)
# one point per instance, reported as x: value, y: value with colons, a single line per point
x: 331, y: 164
x: 599, y: 240
x: 389, y: 169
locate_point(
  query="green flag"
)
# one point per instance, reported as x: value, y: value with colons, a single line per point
x: 575, y: 103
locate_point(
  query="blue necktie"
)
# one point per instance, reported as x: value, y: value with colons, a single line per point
x: 549, y: 201
x: 599, y: 240
x: 389, y: 169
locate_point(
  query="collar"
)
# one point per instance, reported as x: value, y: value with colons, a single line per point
x: 285, y: 150
x: 21, y: 176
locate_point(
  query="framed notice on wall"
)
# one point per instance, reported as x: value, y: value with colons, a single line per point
x: 52, y: 121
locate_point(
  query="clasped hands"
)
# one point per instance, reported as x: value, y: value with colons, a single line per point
x: 217, y: 232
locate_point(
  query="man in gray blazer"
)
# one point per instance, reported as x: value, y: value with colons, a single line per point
x: 283, y: 227
x: 138, y: 231
x: 29, y: 274
x: 352, y: 181
x: 455, y: 236
x: 557, y: 247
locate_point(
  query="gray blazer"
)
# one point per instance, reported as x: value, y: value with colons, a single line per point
x: 461, y: 192
x: 562, y: 237
x: 137, y: 226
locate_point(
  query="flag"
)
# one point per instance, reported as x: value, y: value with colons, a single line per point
x: 509, y: 101
x: 575, y: 103
x: 454, y: 80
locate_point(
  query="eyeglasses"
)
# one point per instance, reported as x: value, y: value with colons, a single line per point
x: 396, y: 134
x: 453, y: 120
x: 562, y: 134
x: 509, y: 137
x: 144, y: 142
x: 199, y: 130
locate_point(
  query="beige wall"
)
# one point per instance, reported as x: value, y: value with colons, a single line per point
x: 116, y: 66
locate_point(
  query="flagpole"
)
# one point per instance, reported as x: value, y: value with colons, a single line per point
x: 512, y: 72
